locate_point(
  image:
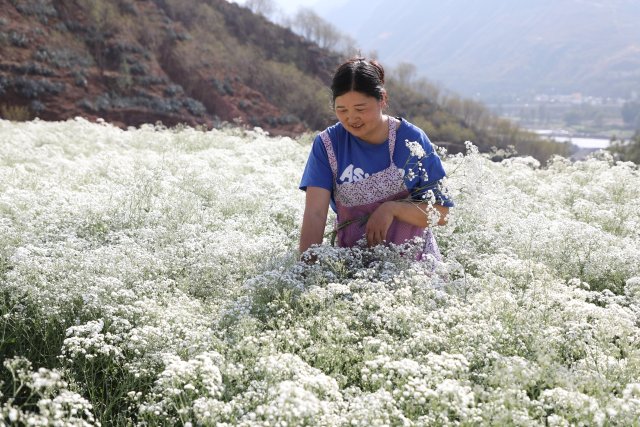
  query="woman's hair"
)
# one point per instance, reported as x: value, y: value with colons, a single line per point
x: 360, y: 75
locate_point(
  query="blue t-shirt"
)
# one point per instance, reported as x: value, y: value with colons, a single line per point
x: 358, y: 160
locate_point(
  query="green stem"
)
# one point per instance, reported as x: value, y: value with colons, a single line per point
x: 333, y: 233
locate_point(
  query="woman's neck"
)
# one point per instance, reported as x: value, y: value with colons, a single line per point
x: 381, y: 133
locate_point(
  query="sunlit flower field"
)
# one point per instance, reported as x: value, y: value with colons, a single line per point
x: 150, y: 277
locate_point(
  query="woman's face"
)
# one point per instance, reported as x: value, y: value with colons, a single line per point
x: 360, y: 114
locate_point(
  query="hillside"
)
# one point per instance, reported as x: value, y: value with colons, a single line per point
x: 504, y: 47
x: 200, y: 63
x: 134, y: 62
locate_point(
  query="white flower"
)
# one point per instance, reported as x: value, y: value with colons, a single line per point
x: 415, y: 148
x: 632, y: 289
x: 169, y: 258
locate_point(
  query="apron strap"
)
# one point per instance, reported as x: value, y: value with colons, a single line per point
x: 392, y: 136
x: 326, y: 140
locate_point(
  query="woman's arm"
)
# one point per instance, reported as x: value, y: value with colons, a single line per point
x: 418, y: 214
x: 315, y: 217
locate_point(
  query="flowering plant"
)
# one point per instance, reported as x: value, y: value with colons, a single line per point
x: 150, y: 277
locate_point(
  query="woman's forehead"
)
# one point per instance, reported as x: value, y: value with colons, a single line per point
x: 353, y: 99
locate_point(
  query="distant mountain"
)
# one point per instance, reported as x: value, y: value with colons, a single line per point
x: 498, y: 47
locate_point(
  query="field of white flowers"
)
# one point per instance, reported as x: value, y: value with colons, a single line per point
x: 150, y: 277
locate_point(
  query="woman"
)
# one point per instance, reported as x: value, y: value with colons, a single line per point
x: 379, y: 173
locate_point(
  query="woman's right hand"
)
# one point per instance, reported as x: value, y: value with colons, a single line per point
x: 378, y: 224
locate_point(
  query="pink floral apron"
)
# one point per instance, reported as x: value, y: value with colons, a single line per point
x: 354, y: 200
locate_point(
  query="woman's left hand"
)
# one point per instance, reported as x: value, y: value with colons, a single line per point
x: 378, y: 224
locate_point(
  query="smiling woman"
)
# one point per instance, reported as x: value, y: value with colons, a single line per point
x: 381, y: 190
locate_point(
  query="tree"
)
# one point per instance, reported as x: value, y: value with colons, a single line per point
x: 405, y: 72
x: 327, y: 36
x: 305, y: 23
x: 312, y: 27
x: 104, y: 18
x: 348, y: 45
x: 631, y: 114
x: 627, y: 150
x: 265, y: 8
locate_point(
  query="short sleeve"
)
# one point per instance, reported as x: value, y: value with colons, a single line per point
x: 317, y: 172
